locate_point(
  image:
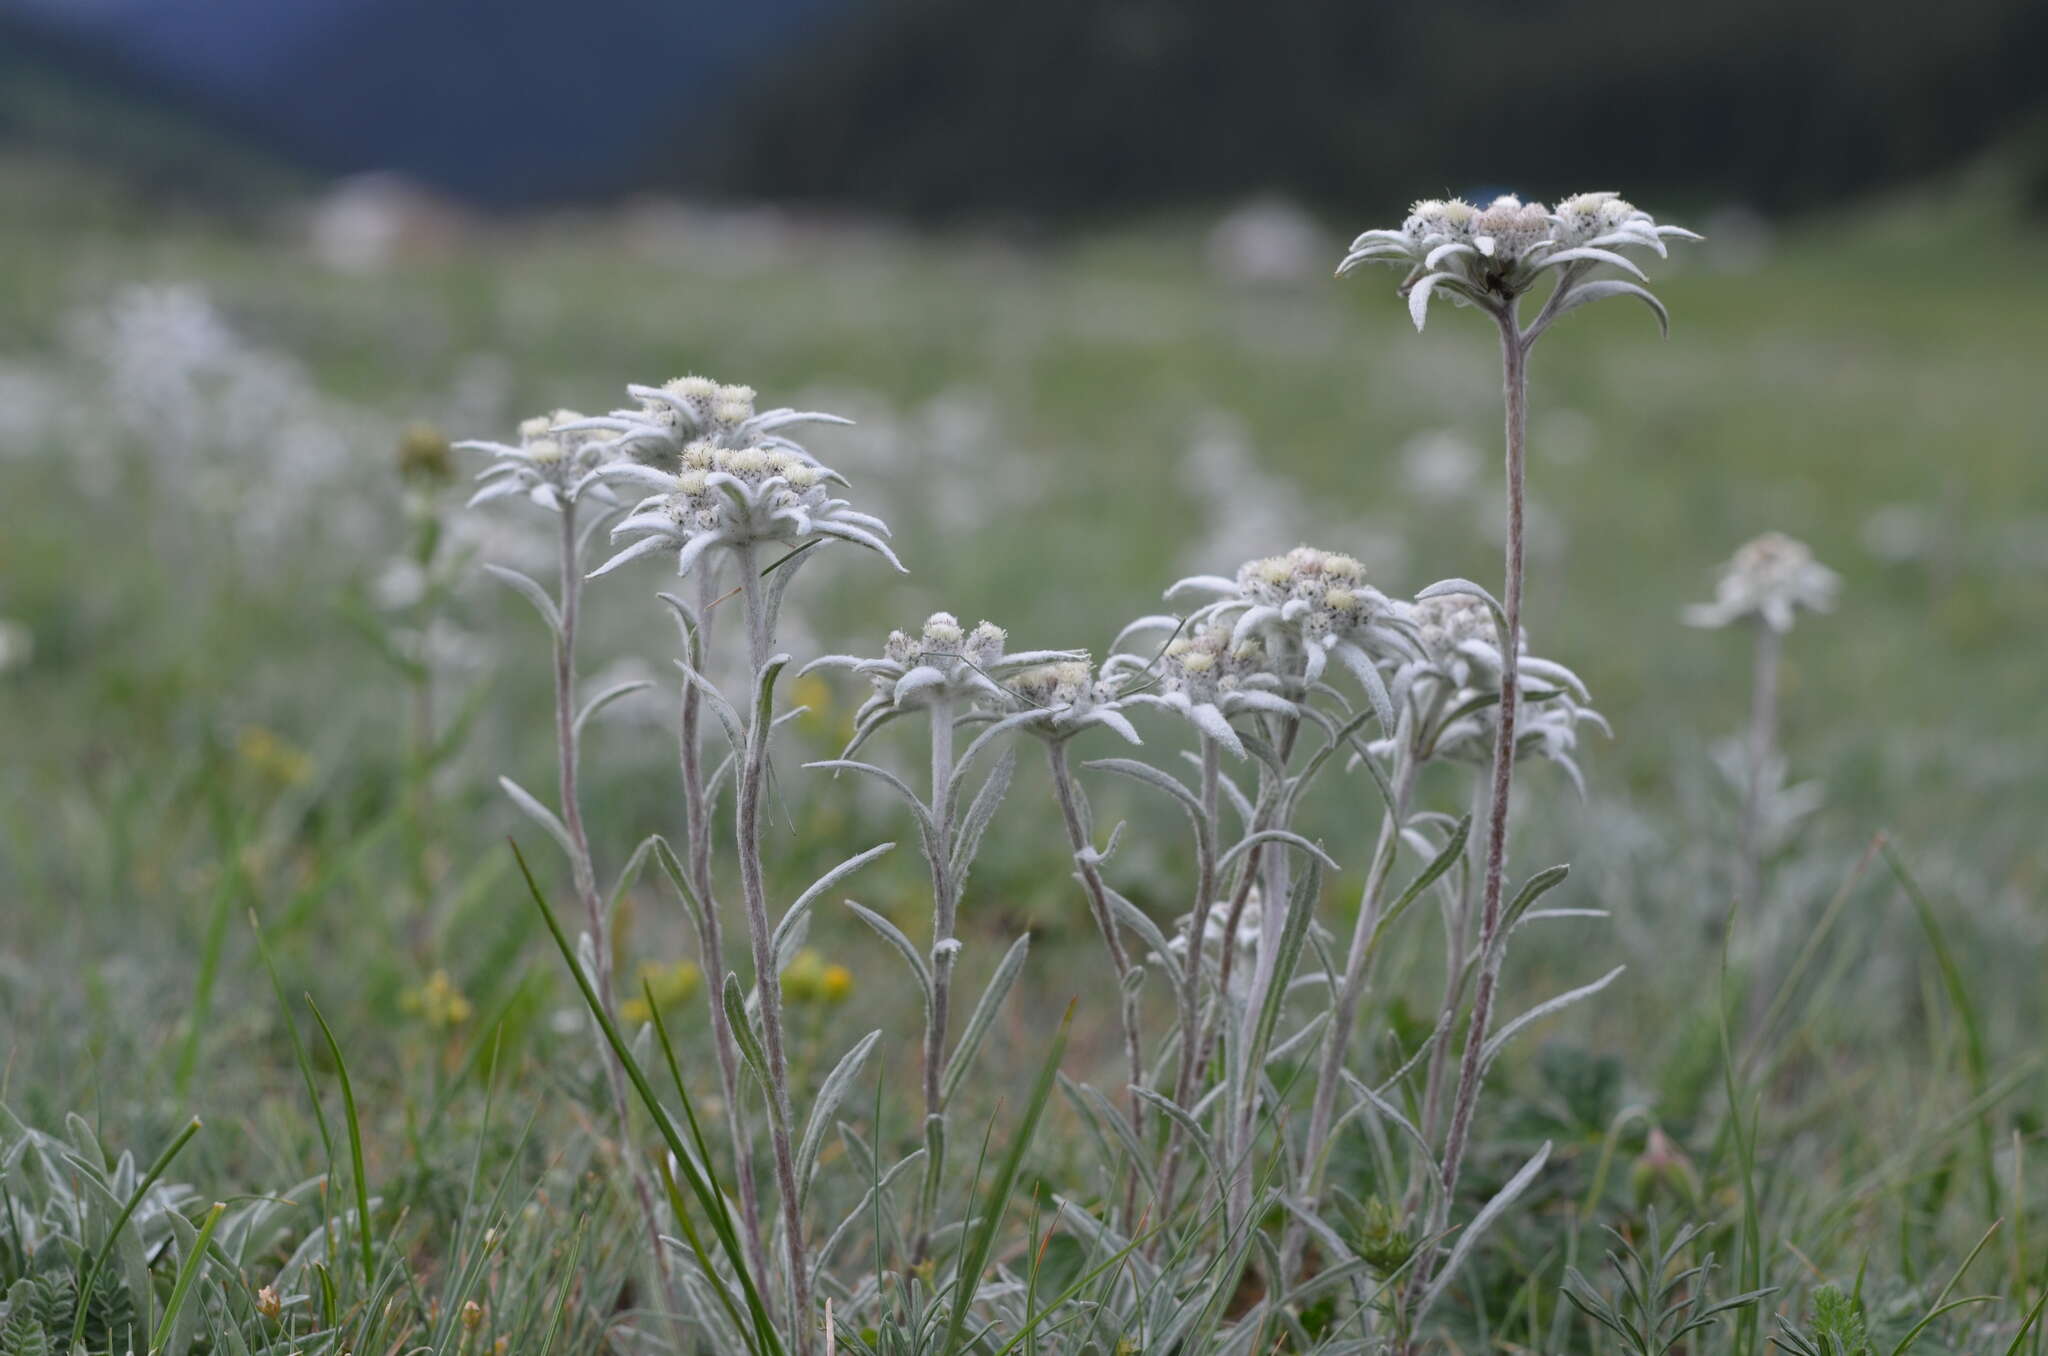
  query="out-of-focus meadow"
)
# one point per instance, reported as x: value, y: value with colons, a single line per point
x: 209, y: 608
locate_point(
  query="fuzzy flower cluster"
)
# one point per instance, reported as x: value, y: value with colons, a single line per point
x: 1065, y: 696
x: 1205, y: 676
x: 1456, y: 685
x: 944, y: 663
x: 556, y: 461
x: 693, y: 409
x: 1309, y: 604
x: 1769, y: 579
x: 735, y: 497
x: 1250, y: 929
x: 1495, y: 253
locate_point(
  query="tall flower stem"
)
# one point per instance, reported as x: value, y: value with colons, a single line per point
x: 1105, y: 921
x: 1763, y: 736
x: 1515, y: 384
x: 1344, y: 1013
x: 767, y: 979
x: 945, y: 908
x: 1191, y: 1054
x: 582, y: 871
x: 710, y: 930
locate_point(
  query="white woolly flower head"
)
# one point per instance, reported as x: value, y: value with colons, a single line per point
x: 554, y: 462
x: 967, y: 670
x: 1203, y: 674
x: 733, y: 498
x: 1216, y: 935
x: 1304, y: 608
x: 678, y: 414
x: 1770, y: 579
x: 1453, y: 690
x: 1061, y: 697
x: 1488, y: 256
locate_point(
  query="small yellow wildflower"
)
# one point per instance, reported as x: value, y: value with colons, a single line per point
x: 835, y: 985
x: 439, y: 1001
x: 672, y: 985
x: 272, y: 757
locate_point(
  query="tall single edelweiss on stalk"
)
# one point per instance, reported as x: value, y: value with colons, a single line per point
x: 1769, y: 581
x: 737, y: 486
x: 950, y: 675
x: 1490, y: 258
x: 555, y: 466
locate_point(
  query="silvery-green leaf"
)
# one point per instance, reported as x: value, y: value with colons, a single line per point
x: 1191, y: 1127
x: 967, y: 838
x: 1418, y: 295
x: 830, y: 1094
x: 743, y: 1034
x: 1443, y: 587
x: 890, y: 779
x: 525, y: 587
x: 1590, y: 254
x: 783, y: 945
x: 538, y: 813
x: 1292, y: 839
x: 606, y: 698
x: 893, y: 935
x: 1496, y: 1042
x: 1610, y: 287
x: 646, y: 546
x: 1470, y: 1235
x: 983, y: 1016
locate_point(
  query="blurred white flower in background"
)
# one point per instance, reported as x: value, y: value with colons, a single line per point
x: 1770, y: 579
x: 1440, y: 465
x: 17, y: 645
x: 1267, y: 241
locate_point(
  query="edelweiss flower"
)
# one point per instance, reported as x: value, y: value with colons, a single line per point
x: 554, y: 464
x: 696, y: 409
x: 736, y: 497
x: 1061, y: 698
x: 1491, y: 255
x: 1456, y: 685
x: 1770, y: 579
x: 1312, y: 605
x: 1205, y: 677
x: 943, y: 664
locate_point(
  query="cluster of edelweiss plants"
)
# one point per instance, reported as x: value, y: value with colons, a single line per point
x: 1287, y: 674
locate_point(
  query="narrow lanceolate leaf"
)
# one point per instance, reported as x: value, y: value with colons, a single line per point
x: 984, y: 1016
x: 606, y: 698
x: 1419, y: 294
x: 1614, y: 287
x: 1500, y: 1038
x: 1294, y: 930
x: 743, y: 1032
x: 525, y: 586
x: 967, y: 839
x: 1452, y: 851
x: 1473, y: 1232
x: 830, y: 1094
x: 893, y: 935
x: 1537, y: 886
x: 538, y: 813
x: 784, y: 944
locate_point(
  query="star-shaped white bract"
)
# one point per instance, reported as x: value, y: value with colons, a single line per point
x: 733, y: 498
x: 1494, y: 254
x: 1456, y: 682
x: 944, y: 664
x: 1063, y: 697
x: 1309, y: 606
x: 552, y: 464
x: 693, y: 409
x: 1770, y: 579
x: 1203, y: 675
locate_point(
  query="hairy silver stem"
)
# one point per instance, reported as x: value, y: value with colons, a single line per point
x: 1763, y: 734
x: 938, y: 852
x: 583, y: 873
x: 767, y: 979
x: 1105, y: 922
x: 1515, y: 386
x: 710, y: 930
x: 1191, y: 1057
